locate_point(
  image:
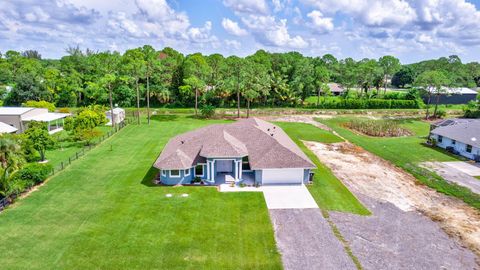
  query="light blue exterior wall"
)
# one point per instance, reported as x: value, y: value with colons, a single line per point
x: 258, y: 177
x: 182, y: 179
x: 186, y: 179
x: 458, y: 146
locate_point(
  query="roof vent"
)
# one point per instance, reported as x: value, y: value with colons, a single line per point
x: 268, y: 129
x: 274, y: 127
x: 182, y: 142
x: 271, y: 134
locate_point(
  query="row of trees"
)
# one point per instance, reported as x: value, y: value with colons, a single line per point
x: 145, y: 76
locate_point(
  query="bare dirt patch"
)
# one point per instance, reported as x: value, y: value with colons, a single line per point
x: 371, y: 176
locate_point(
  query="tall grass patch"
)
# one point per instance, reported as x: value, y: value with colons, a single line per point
x: 378, y: 128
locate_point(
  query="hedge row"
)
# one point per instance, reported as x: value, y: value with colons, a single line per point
x: 30, y: 175
x: 368, y: 104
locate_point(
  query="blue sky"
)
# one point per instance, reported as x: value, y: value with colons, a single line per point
x: 412, y: 30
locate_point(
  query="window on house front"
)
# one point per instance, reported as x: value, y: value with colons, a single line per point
x: 199, y: 170
x: 174, y: 173
x: 187, y: 172
x: 245, y: 164
x: 454, y: 142
x: 469, y: 148
x: 440, y: 138
x: 164, y: 173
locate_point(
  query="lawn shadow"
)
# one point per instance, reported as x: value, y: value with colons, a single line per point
x: 164, y: 117
x: 149, y: 177
x: 443, y: 151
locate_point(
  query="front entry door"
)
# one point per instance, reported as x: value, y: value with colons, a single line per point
x: 224, y: 166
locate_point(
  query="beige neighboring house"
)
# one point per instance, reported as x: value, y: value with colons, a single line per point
x: 19, y: 117
x: 336, y: 89
x: 118, y: 116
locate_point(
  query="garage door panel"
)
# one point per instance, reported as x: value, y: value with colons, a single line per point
x: 282, y: 176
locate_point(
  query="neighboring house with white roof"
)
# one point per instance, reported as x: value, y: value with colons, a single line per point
x: 461, y: 136
x: 249, y: 150
x: 4, y: 128
x: 19, y: 117
x: 118, y: 116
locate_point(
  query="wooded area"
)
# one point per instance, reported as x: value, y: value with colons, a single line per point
x: 169, y: 78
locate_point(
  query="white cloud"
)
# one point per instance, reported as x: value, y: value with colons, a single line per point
x: 369, y: 12
x: 233, y: 28
x: 320, y: 23
x: 278, y: 5
x: 272, y: 33
x: 247, y: 6
x: 233, y: 44
x: 424, y: 38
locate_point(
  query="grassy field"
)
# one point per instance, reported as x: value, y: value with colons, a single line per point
x: 64, y: 150
x: 407, y: 152
x: 103, y: 213
x: 328, y: 191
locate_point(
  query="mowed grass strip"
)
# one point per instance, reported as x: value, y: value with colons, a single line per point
x: 407, y: 152
x: 103, y: 213
x: 329, y: 192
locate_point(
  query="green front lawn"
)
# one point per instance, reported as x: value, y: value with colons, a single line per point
x: 407, y: 153
x: 65, y: 150
x: 102, y: 212
x: 328, y: 191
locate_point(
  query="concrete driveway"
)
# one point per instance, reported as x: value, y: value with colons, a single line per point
x: 454, y: 173
x: 288, y: 197
x: 465, y: 167
x: 307, y: 242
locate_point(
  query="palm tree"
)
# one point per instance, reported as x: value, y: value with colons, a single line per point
x: 10, y: 160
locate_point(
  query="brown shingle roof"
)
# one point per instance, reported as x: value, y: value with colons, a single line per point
x: 266, y: 145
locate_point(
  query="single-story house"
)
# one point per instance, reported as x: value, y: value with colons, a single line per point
x: 336, y: 89
x: 118, y: 116
x: 460, y: 136
x: 460, y: 95
x: 4, y: 128
x: 19, y: 117
x: 249, y: 150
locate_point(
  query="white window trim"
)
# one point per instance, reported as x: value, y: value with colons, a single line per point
x: 164, y: 173
x: 186, y: 172
x: 175, y: 176
x: 203, y: 169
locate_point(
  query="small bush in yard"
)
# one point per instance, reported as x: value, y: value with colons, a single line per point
x: 207, y: 111
x: 378, y: 128
x: 33, y: 173
x: 441, y: 113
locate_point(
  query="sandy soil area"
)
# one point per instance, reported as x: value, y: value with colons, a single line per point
x: 369, y: 175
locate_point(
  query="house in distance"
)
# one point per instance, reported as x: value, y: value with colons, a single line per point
x: 19, y: 117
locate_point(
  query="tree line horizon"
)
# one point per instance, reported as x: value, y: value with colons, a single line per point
x: 146, y: 76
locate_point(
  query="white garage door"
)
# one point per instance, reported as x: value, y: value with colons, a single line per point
x: 282, y: 176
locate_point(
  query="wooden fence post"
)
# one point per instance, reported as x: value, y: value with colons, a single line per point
x: 62, y: 165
